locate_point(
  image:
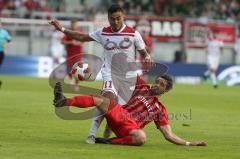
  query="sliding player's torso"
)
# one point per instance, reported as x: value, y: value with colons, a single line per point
x: 144, y: 109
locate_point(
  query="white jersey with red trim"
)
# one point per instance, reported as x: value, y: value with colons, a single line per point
x: 213, y: 47
x: 126, y: 40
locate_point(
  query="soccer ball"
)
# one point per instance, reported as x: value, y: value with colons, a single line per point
x: 81, y: 71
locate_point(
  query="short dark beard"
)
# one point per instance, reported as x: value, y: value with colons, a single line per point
x: 154, y: 91
x: 118, y: 29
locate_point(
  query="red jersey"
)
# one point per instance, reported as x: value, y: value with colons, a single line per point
x: 149, y: 42
x: 72, y: 50
x: 144, y: 108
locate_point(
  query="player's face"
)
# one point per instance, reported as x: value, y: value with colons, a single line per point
x: 159, y: 87
x: 116, y: 20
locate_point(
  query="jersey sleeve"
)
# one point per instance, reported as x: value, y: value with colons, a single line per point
x: 162, y: 119
x: 139, y: 43
x: 96, y: 35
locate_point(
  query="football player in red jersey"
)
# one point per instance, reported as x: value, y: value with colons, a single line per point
x: 128, y: 121
x: 115, y: 38
x: 73, y: 47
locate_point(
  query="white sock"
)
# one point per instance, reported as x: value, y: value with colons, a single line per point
x: 97, y: 120
x: 213, y: 78
x: 107, y: 132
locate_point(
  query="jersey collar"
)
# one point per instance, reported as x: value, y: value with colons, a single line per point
x: 123, y: 27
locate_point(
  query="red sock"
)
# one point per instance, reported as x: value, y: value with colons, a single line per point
x: 122, y: 141
x: 82, y: 101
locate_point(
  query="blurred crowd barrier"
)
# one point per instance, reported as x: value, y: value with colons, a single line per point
x: 172, y: 36
x: 42, y: 67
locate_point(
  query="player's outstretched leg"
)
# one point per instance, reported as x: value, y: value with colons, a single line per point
x: 213, y: 78
x: 135, y: 138
x: 81, y: 101
x: 107, y: 132
x: 97, y: 119
x: 0, y: 84
x: 59, y: 98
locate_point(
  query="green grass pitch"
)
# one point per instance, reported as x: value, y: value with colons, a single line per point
x: 29, y: 128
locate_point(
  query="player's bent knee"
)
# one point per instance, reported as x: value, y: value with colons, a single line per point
x: 141, y: 141
x: 101, y: 102
x: 139, y: 138
x: 109, y: 94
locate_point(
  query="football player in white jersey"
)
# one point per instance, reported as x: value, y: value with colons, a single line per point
x: 214, y: 49
x: 115, y: 39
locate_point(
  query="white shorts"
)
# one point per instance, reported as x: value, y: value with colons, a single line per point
x: 213, y: 62
x: 108, y: 86
x: 122, y: 89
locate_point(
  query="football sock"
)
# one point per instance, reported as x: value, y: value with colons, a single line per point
x: 107, y: 132
x: 83, y: 101
x: 122, y: 141
x: 97, y: 120
x: 213, y: 78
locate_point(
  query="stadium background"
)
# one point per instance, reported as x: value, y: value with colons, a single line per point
x: 177, y: 27
x: 30, y: 129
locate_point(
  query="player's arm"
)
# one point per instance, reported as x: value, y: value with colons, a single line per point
x: 173, y: 138
x: 73, y: 34
x: 7, y: 44
x: 8, y: 41
x: 141, y: 47
x: 147, y: 58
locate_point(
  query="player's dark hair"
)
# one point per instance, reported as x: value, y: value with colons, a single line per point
x: 169, y: 81
x: 115, y: 8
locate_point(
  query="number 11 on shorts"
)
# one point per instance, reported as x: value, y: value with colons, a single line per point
x: 108, y: 84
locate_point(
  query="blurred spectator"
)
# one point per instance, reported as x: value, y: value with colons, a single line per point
x: 5, y: 39
x: 148, y: 40
x: 214, y: 50
x: 237, y: 50
x: 211, y: 9
x: 73, y: 48
x: 31, y: 5
x: 56, y: 47
x: 180, y: 56
x: 57, y: 5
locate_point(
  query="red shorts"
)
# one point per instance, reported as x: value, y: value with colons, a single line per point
x: 119, y: 122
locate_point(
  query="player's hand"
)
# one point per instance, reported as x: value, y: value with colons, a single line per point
x: 148, y: 62
x: 56, y: 24
x: 198, y: 143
